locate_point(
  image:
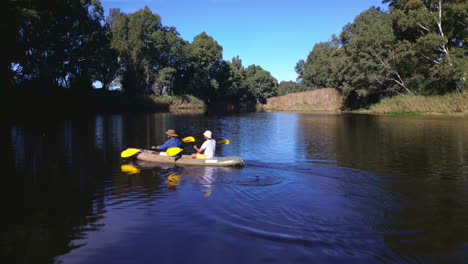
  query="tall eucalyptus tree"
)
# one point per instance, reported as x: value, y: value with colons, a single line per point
x: 205, y: 56
x: 436, y: 32
x: 261, y: 84
x: 149, y: 53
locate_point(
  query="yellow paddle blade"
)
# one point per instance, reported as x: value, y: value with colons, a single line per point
x: 224, y: 141
x: 173, y: 179
x: 188, y: 139
x: 127, y: 168
x: 173, y: 151
x: 129, y: 152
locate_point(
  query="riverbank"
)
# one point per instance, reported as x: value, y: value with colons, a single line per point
x: 327, y: 99
x: 330, y: 100
x: 454, y: 103
x: 33, y: 105
x: 30, y: 104
x: 183, y: 102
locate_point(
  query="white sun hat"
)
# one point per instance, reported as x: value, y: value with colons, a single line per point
x: 207, y: 134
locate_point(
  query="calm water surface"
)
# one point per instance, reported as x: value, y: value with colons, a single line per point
x: 316, y: 188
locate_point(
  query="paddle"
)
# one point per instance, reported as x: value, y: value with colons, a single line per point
x: 224, y: 141
x: 192, y: 139
x: 173, y: 151
x: 170, y: 151
x: 129, y: 152
x: 176, y: 150
x: 188, y: 139
x: 132, y: 151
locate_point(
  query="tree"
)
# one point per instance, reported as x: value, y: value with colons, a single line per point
x: 290, y: 87
x: 55, y: 42
x: 320, y: 70
x: 436, y: 31
x: 164, y: 81
x: 231, y: 76
x: 300, y: 65
x: 148, y: 51
x: 142, y: 26
x: 205, y: 56
x: 371, y: 70
x: 260, y: 83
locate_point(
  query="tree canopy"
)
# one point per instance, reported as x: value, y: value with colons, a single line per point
x: 70, y: 44
x: 416, y: 47
x: 56, y: 43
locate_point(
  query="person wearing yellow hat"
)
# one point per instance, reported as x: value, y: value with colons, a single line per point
x: 208, y: 147
x: 172, y: 142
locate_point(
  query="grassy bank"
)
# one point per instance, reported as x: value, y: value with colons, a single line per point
x: 330, y: 100
x: 327, y: 99
x: 455, y: 103
x: 178, y: 102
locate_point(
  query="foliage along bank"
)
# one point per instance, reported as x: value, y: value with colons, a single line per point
x: 57, y: 45
x: 417, y: 47
x: 57, y: 49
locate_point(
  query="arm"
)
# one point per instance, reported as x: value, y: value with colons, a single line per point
x: 198, y: 150
x: 163, y: 146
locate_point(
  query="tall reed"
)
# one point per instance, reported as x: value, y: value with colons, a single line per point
x: 179, y: 102
x: 326, y: 99
x: 446, y: 104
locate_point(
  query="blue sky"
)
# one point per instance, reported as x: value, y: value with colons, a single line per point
x: 274, y: 34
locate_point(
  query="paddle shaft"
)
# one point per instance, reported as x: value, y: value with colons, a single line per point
x: 170, y: 151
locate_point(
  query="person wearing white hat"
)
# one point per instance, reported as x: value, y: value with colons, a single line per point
x: 208, y: 147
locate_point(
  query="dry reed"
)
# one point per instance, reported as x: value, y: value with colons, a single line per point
x: 446, y: 104
x: 326, y: 99
x: 179, y: 102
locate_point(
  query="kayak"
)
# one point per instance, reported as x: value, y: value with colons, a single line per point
x: 148, y: 155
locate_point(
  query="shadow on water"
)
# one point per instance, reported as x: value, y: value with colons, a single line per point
x: 173, y: 175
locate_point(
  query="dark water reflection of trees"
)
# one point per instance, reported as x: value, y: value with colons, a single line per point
x: 422, y: 158
x: 49, y: 193
x: 56, y: 176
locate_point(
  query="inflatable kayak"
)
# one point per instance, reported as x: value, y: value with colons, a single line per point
x: 152, y: 156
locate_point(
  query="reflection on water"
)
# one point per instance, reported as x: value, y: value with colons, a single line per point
x: 129, y: 169
x: 430, y: 148
x: 316, y: 188
x: 174, y: 175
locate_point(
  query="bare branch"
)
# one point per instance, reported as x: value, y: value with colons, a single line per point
x: 434, y: 61
x: 425, y: 28
x: 438, y: 20
x: 402, y: 83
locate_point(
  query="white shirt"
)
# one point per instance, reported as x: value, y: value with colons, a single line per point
x: 210, y: 147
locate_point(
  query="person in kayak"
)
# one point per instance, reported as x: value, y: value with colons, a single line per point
x: 208, y: 147
x: 172, y: 142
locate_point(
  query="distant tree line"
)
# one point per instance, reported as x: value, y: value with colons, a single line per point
x: 416, y: 47
x: 57, y: 44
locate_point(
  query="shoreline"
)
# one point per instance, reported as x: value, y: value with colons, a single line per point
x: 367, y: 112
x: 453, y: 104
x: 28, y: 105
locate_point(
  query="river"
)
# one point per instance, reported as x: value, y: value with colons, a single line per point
x: 316, y: 188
